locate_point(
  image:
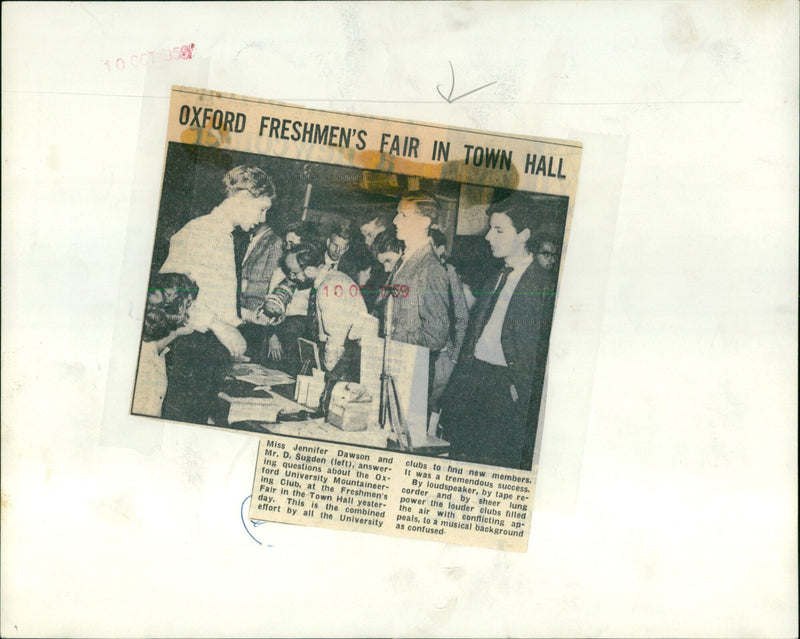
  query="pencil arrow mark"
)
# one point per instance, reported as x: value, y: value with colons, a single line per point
x: 449, y: 98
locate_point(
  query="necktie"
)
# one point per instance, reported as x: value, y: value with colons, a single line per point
x: 484, y: 310
x: 312, y: 313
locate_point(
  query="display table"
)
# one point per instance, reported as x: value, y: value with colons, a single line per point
x: 250, y: 401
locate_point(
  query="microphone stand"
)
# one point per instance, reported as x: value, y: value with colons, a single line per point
x: 390, y: 412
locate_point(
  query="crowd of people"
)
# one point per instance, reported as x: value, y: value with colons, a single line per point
x: 487, y: 344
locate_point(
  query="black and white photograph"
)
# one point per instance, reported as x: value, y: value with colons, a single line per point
x: 339, y: 304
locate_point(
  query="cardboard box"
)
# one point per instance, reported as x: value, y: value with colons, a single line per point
x: 349, y: 416
x: 309, y: 388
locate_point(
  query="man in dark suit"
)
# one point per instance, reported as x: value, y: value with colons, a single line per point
x: 491, y: 406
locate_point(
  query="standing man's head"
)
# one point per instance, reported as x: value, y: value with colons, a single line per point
x: 374, y: 226
x: 303, y: 263
x: 387, y: 249
x: 249, y: 194
x: 415, y: 215
x: 510, y: 229
x: 338, y: 242
x: 298, y: 232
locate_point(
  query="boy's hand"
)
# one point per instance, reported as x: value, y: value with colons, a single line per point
x: 275, y: 350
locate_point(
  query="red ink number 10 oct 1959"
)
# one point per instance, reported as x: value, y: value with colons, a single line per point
x: 145, y: 58
x: 354, y: 290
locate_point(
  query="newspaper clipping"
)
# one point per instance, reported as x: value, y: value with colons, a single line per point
x: 372, y: 298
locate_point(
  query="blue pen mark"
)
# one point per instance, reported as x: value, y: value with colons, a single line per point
x: 255, y: 523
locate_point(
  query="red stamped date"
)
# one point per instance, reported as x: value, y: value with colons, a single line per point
x: 395, y: 290
x: 182, y: 52
x: 339, y: 291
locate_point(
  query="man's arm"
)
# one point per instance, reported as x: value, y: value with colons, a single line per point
x: 178, y: 259
x: 276, y: 278
x: 265, y: 266
x: 433, y: 306
x: 230, y: 337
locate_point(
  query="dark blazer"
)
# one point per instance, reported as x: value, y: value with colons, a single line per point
x: 257, y: 269
x: 526, y: 328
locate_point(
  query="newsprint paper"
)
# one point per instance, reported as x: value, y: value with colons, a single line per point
x: 372, y: 298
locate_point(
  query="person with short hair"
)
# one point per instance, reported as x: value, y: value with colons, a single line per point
x: 491, y: 406
x: 337, y: 244
x: 422, y: 316
x: 546, y: 251
x: 387, y: 249
x: 343, y: 251
x: 299, y: 231
x: 203, y: 250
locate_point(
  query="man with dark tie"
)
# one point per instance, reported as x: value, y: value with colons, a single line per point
x: 491, y: 406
